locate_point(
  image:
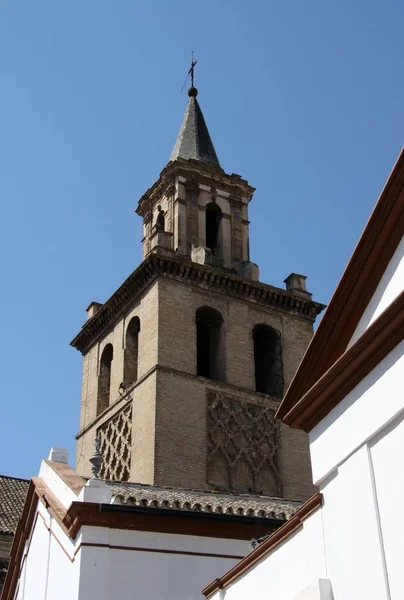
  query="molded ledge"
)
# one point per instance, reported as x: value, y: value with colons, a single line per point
x: 348, y: 371
x: 271, y: 543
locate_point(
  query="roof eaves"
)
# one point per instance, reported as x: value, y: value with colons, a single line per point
x: 358, y: 283
x: 383, y: 335
x: 205, y: 502
x: 267, y: 546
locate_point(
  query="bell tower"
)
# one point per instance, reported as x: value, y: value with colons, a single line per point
x: 195, y: 209
x: 185, y: 365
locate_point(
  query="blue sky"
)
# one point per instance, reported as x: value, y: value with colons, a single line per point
x: 303, y: 99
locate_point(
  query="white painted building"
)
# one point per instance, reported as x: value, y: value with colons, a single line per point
x: 96, y: 539
x: 81, y: 540
x: 346, y: 542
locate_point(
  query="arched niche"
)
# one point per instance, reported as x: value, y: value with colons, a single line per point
x: 268, y: 361
x: 210, y: 344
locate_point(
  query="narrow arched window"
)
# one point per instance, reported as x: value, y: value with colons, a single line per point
x: 268, y: 361
x: 213, y: 217
x: 160, y: 219
x: 130, y: 365
x: 210, y: 344
x: 104, y: 378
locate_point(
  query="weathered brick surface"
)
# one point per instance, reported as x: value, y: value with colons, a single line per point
x: 146, y: 309
x: 169, y: 437
x: 86, y: 436
x: 295, y: 464
x: 144, y: 431
x: 177, y: 346
x: 181, y: 425
x: 180, y: 431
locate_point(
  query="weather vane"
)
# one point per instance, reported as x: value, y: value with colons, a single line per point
x: 191, y: 70
x: 192, y: 90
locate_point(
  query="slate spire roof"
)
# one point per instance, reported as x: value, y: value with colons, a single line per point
x: 193, y: 140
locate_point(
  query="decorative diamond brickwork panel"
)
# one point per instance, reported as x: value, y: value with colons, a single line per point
x: 115, y: 437
x: 242, y: 446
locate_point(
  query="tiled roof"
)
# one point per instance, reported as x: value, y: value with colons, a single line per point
x: 246, y: 505
x: 13, y: 492
x: 193, y: 140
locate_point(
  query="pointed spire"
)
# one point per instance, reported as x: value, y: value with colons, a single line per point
x: 193, y: 140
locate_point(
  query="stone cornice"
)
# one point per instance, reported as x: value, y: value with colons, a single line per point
x: 182, y: 269
x: 212, y: 385
x: 204, y: 174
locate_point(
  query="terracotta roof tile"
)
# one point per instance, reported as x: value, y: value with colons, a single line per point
x: 247, y: 505
x: 13, y: 492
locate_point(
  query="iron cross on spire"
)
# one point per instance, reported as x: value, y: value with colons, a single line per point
x: 191, y: 70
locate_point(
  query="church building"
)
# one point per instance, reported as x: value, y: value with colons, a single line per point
x: 184, y: 368
x: 185, y: 364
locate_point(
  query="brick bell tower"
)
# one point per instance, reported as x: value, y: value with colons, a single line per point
x: 185, y: 364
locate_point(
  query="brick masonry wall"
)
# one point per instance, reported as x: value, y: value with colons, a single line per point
x: 180, y: 458
x: 86, y: 436
x: 295, y: 464
x: 146, y: 308
x: 181, y: 450
x: 181, y: 435
x: 178, y: 303
x: 144, y: 431
x: 143, y: 397
x: 169, y: 437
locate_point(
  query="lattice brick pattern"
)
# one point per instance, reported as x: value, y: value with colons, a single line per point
x: 115, y: 437
x: 242, y: 445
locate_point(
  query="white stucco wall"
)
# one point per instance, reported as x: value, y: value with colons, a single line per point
x: 354, y: 542
x: 355, y: 454
x: 49, y: 568
x: 32, y: 583
x: 156, y: 565
x: 386, y: 454
x: 63, y: 575
x: 390, y: 286
x: 106, y: 563
x: 364, y: 411
x: 289, y: 570
x: 352, y: 547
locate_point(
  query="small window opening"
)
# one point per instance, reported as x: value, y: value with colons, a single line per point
x: 268, y: 361
x: 212, y: 223
x: 160, y: 219
x: 131, y: 356
x: 104, y: 378
x: 210, y: 344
